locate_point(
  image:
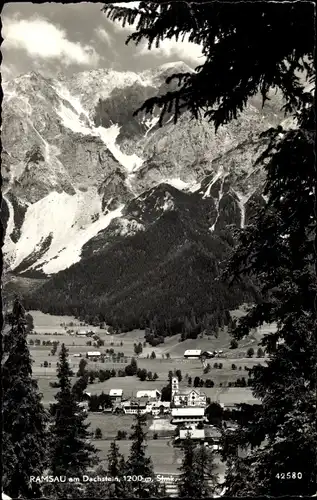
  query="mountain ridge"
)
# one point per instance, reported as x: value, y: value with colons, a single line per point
x: 83, y: 176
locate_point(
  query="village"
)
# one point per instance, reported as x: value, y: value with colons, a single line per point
x: 180, y: 387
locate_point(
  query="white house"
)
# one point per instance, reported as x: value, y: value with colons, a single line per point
x: 93, y: 354
x: 156, y: 407
x: 116, y: 395
x: 155, y: 394
x: 132, y: 408
x: 194, y: 433
x: 187, y: 415
x: 192, y: 353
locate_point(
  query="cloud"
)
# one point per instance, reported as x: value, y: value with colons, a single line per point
x: 40, y: 38
x: 129, y: 28
x: 168, y: 48
x: 103, y: 35
x: 179, y: 50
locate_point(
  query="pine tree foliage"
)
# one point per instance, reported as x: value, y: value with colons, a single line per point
x: 138, y: 464
x: 248, y: 47
x: 279, y: 249
x: 71, y: 451
x: 24, y: 420
x: 205, y: 467
x: 190, y: 477
x: 116, y: 470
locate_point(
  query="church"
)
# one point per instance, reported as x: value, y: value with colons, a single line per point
x: 186, y: 397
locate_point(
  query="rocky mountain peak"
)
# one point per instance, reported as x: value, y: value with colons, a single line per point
x: 84, y: 169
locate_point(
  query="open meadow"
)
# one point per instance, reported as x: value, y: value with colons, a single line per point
x: 166, y: 459
x: 47, y: 324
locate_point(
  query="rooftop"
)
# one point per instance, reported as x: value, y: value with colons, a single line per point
x: 188, y: 412
x: 115, y: 392
x: 150, y: 393
x: 192, y: 352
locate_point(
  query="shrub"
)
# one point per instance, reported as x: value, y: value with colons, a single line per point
x: 155, y: 435
x: 233, y: 366
x: 233, y: 344
x: 98, y: 433
x: 142, y: 374
x: 250, y: 352
x: 45, y: 364
x: 121, y: 435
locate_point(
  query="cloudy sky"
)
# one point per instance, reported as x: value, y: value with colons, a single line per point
x: 67, y: 38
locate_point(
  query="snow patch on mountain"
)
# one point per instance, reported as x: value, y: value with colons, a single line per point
x: 72, y: 118
x: 68, y: 219
x: 108, y: 135
x: 242, y: 200
x: 212, y: 228
x: 150, y: 123
x: 72, y: 252
x: 177, y: 183
x: 212, y: 182
x: 72, y: 121
x: 9, y: 246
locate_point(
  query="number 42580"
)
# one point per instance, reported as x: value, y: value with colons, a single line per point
x: 289, y: 475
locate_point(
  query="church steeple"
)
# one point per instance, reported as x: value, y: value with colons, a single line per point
x: 175, y: 387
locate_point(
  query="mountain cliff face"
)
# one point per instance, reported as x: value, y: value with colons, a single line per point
x: 84, y: 180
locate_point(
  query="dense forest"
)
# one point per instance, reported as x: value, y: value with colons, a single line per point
x: 166, y: 278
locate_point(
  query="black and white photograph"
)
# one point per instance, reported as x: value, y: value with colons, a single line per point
x: 158, y: 213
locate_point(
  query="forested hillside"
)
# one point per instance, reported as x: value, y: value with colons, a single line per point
x: 165, y: 278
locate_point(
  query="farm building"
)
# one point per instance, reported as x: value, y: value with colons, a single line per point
x: 93, y: 354
x: 187, y: 415
x: 157, y: 407
x: 154, y: 394
x: 116, y: 395
x: 132, y: 408
x: 82, y: 333
x: 192, y: 354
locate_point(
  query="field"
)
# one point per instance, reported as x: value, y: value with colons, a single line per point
x: 166, y: 459
x: 46, y: 325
